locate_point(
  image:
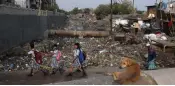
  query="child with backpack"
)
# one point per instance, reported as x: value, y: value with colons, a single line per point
x: 36, y: 60
x: 79, y: 58
x: 56, y: 55
x: 52, y: 65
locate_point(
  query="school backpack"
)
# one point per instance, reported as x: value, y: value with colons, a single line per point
x: 82, y: 56
x: 38, y: 57
x: 58, y: 56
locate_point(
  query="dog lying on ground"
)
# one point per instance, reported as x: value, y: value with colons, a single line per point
x: 132, y: 73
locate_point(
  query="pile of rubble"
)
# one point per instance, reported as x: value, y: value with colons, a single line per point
x: 101, y: 52
x: 86, y: 22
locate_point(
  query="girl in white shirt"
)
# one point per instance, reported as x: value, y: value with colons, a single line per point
x: 54, y: 62
x: 34, y: 64
x: 56, y: 55
x: 76, y: 62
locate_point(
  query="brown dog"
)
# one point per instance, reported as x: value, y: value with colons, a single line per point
x: 132, y: 73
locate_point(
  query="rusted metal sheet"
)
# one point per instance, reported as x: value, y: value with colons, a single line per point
x: 79, y: 33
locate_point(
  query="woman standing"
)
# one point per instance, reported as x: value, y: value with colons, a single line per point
x: 151, y: 57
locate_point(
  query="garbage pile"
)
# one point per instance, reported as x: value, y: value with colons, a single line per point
x: 18, y: 59
x: 86, y: 22
x: 101, y: 52
x: 155, y: 36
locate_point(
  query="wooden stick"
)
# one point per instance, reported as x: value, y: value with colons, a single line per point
x: 114, y: 76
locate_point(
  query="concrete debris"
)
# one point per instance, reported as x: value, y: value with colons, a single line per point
x: 102, y: 51
x: 86, y: 22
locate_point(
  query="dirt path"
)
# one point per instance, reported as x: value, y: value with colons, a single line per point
x: 161, y: 76
x: 95, y: 77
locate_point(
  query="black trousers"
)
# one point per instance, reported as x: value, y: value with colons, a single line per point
x: 136, y: 31
x: 32, y: 45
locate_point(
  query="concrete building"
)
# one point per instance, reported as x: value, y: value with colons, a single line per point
x: 21, y: 3
x: 32, y: 4
x: 35, y: 4
x: 7, y: 1
x: 52, y: 2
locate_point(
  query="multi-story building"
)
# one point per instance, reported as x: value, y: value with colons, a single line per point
x: 7, y: 1
x: 35, y: 4
x: 52, y: 2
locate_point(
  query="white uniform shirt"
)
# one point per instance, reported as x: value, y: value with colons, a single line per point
x: 55, y: 53
x: 32, y: 52
x: 76, y: 52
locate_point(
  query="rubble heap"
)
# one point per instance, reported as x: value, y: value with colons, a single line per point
x: 86, y: 22
x: 101, y: 52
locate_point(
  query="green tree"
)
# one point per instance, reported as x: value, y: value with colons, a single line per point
x: 56, y: 7
x: 118, y: 8
x: 76, y: 10
x: 87, y: 10
x: 140, y: 12
x: 123, y: 8
x: 63, y: 11
x: 115, y: 8
x: 101, y: 11
x: 53, y: 8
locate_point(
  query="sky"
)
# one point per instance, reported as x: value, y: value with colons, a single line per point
x: 70, y: 4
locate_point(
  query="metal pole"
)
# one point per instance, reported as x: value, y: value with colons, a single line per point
x: 111, y: 17
x: 39, y: 4
x: 156, y: 9
x: 133, y: 6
